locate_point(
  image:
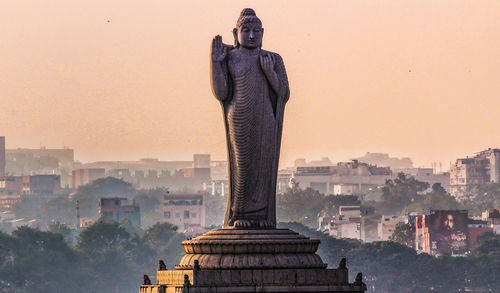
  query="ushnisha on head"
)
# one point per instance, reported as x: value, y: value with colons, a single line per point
x: 248, y: 31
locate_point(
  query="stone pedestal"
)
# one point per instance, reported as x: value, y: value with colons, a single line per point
x: 263, y: 260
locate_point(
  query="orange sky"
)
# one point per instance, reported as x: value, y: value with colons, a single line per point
x: 412, y: 78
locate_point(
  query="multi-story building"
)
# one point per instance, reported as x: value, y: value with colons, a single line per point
x: 41, y: 161
x: 11, y: 185
x: 467, y: 173
x: 216, y: 187
x: 201, y: 161
x: 348, y: 224
x: 360, y: 176
x: 142, y: 165
x: 383, y: 159
x: 11, y: 188
x: 116, y: 209
x: 65, y: 156
x: 493, y: 219
x: 387, y: 226
x: 357, y: 177
x: 7, y: 201
x: 443, y: 232
x: 14, y: 188
x: 186, y: 211
x: 476, y: 229
x: 2, y: 155
x: 344, y: 189
x: 85, y: 176
x: 41, y: 186
x: 284, y: 181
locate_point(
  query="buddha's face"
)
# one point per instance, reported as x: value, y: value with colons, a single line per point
x: 250, y: 35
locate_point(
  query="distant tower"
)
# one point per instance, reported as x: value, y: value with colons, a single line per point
x: 77, y: 214
x: 2, y: 155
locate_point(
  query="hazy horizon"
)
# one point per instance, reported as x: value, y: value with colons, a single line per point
x: 120, y: 80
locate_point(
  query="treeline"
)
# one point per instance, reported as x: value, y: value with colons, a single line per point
x: 106, y: 258
x: 391, y: 267
x: 109, y: 259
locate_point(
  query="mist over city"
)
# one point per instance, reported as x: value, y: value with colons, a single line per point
x: 166, y: 147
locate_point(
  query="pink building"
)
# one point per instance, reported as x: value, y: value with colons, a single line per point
x: 186, y: 211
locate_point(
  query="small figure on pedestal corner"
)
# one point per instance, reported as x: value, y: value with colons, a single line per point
x: 343, y: 263
x: 147, y: 280
x: 161, y: 265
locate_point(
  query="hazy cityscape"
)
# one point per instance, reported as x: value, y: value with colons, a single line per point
x: 434, y: 210
x: 144, y: 146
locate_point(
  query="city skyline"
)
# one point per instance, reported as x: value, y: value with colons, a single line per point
x: 123, y: 80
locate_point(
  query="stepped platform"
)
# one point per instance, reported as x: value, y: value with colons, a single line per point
x: 252, y: 260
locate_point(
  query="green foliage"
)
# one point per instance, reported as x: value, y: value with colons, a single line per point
x: 483, y: 197
x: 404, y: 234
x: 148, y: 200
x: 299, y: 205
x: 88, y: 195
x: 435, y: 200
x: 101, y: 237
x: 63, y: 208
x: 65, y: 231
x: 215, y: 210
x: 36, y: 261
x: 437, y: 188
x: 402, y: 191
x: 165, y: 241
x: 391, y: 267
x: 109, y: 259
x: 106, y: 258
x: 106, y: 247
x: 488, y: 245
x: 306, y: 206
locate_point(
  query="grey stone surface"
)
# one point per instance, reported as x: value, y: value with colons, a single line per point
x: 251, y: 248
x: 252, y: 86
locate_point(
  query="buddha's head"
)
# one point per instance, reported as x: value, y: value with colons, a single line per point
x: 248, y: 31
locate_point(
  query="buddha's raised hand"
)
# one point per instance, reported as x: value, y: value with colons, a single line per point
x: 219, y: 51
x: 267, y: 63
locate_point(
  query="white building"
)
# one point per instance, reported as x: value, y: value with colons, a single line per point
x: 387, y: 226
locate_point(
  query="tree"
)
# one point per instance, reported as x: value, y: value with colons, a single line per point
x: 297, y: 205
x: 107, y: 250
x: 488, y: 245
x: 402, y: 191
x: 36, y: 261
x: 437, y: 199
x: 438, y: 189
x: 404, y: 234
x: 65, y: 231
x: 89, y: 194
x: 165, y: 240
x: 483, y: 197
x: 102, y: 236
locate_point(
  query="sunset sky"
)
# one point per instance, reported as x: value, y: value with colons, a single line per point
x: 120, y: 79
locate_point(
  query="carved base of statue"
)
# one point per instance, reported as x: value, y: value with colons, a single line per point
x: 245, y: 260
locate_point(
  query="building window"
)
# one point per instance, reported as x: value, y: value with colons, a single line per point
x: 186, y: 226
x: 166, y: 215
x: 193, y: 215
x: 177, y: 215
x: 186, y: 214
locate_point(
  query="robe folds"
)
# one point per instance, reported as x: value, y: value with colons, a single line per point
x: 253, y: 116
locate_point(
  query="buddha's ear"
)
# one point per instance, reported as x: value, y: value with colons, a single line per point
x: 235, y: 35
x: 262, y: 38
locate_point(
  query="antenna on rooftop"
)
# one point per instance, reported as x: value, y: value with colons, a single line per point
x: 77, y: 214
